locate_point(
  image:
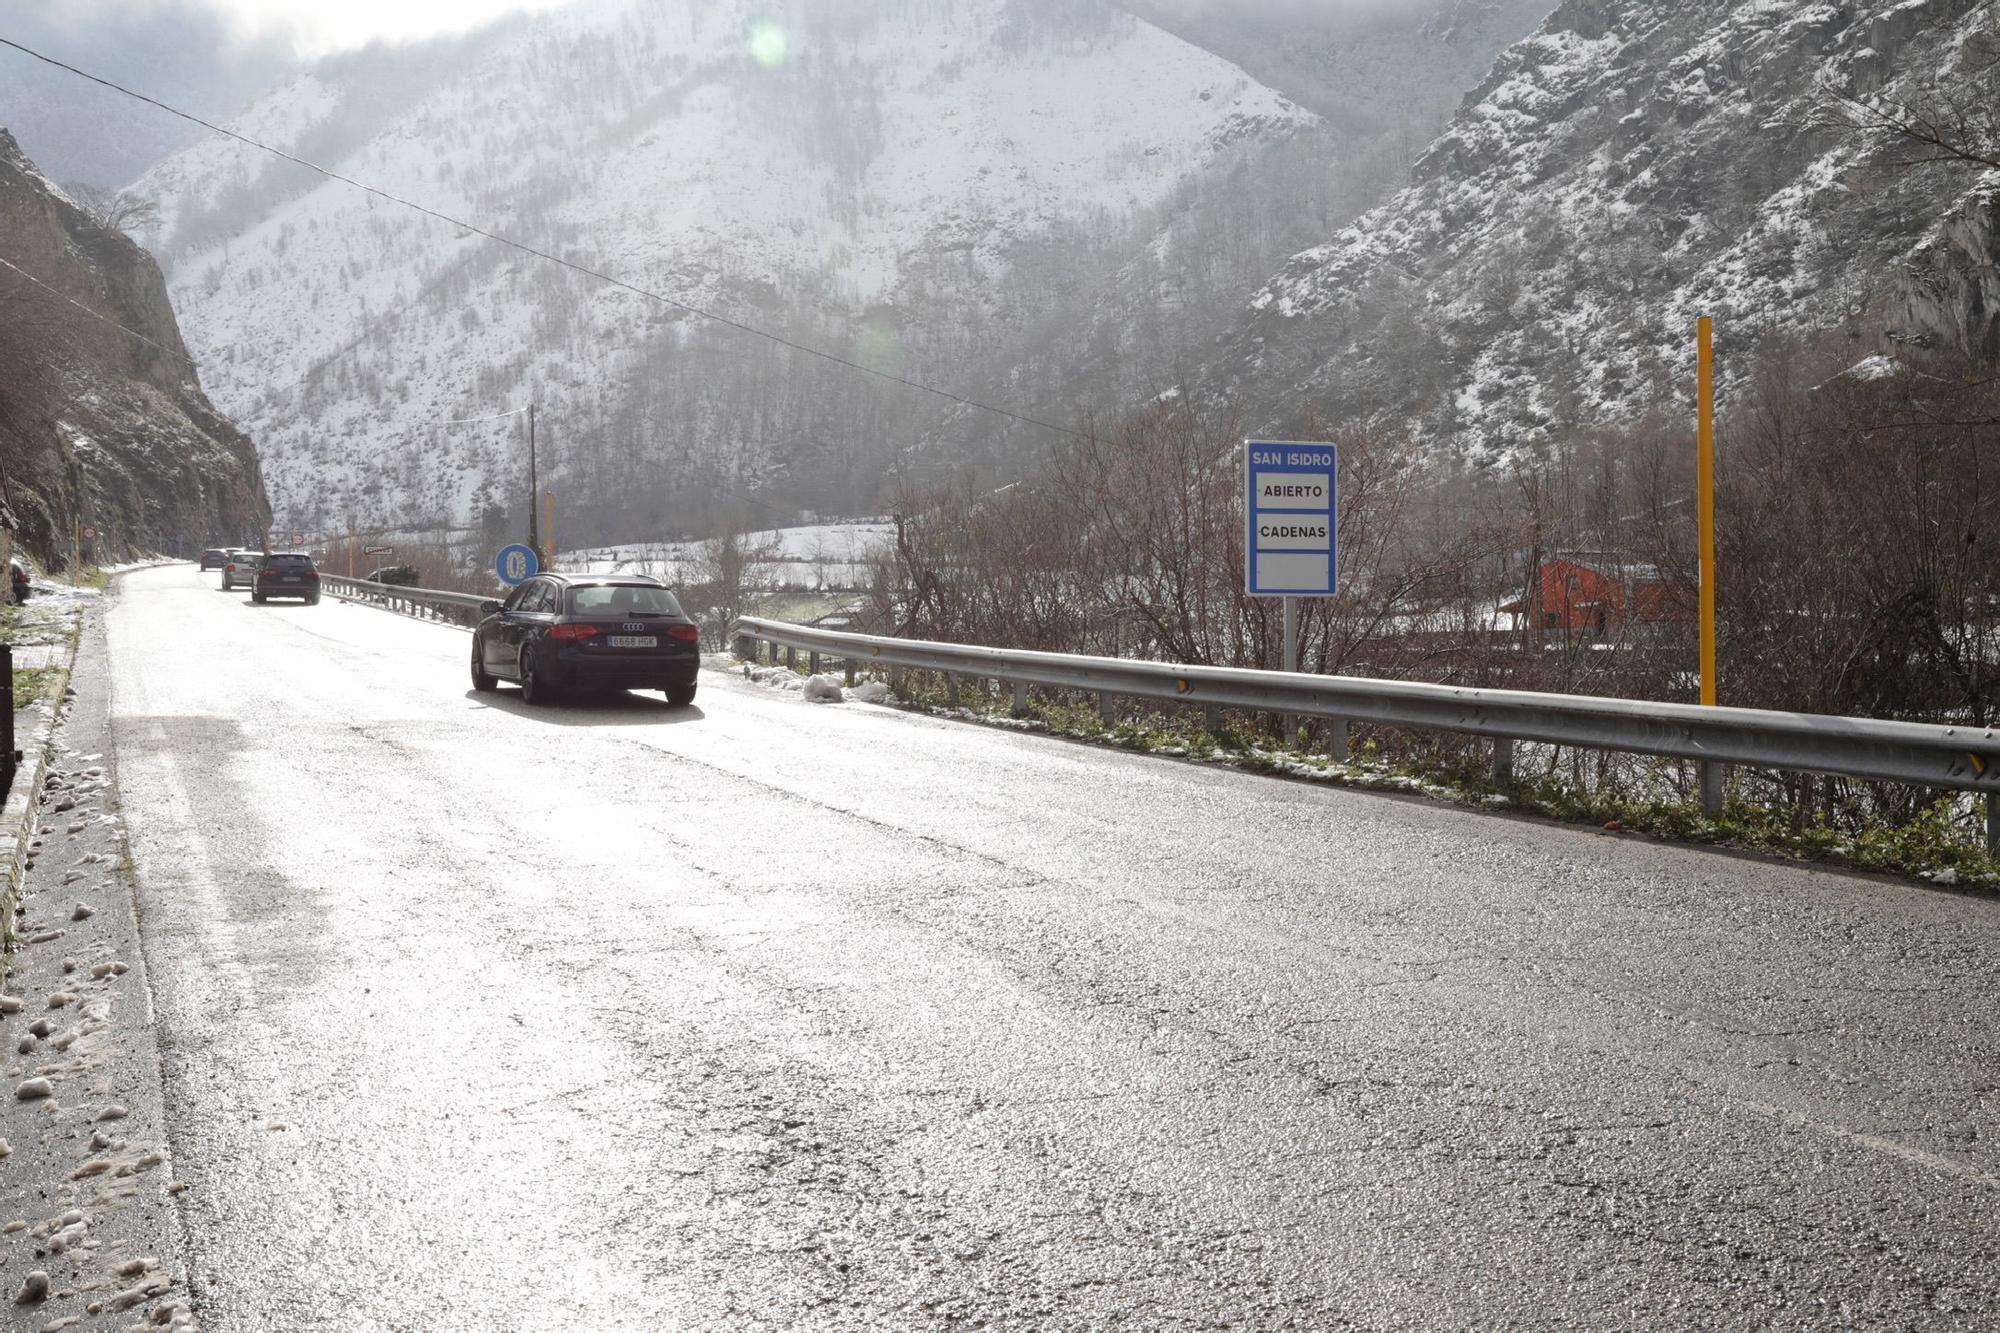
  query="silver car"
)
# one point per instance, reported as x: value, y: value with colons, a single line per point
x: 239, y: 568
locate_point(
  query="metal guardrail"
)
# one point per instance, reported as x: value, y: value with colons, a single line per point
x: 1955, y: 758
x: 455, y: 608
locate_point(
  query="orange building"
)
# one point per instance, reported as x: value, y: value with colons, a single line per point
x: 1595, y: 594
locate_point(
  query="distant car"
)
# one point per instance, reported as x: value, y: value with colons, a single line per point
x: 286, y: 574
x: 561, y: 632
x: 215, y: 557
x: 397, y: 576
x: 240, y: 566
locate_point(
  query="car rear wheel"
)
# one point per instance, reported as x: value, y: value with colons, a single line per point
x: 680, y: 696
x: 257, y: 597
x: 313, y: 600
x: 482, y: 682
x: 534, y: 690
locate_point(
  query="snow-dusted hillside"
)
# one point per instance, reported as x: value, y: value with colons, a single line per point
x: 816, y: 556
x: 873, y: 180
x: 1631, y: 166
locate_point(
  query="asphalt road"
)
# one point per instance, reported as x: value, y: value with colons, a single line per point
x: 774, y: 1015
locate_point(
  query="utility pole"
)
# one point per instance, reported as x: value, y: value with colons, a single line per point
x: 534, y: 493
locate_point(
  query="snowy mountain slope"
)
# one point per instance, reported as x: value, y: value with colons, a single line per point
x: 899, y: 159
x: 1629, y: 167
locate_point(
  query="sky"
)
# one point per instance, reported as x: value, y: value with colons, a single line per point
x: 316, y: 27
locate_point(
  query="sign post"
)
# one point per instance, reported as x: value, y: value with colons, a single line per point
x: 1291, y: 548
x: 1711, y: 773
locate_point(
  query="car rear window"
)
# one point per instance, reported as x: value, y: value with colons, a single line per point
x: 625, y: 600
x: 292, y: 561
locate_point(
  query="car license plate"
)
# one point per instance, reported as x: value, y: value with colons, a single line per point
x: 634, y: 641
x: 292, y: 578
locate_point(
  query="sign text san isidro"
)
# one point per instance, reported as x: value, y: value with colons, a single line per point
x: 1292, y: 502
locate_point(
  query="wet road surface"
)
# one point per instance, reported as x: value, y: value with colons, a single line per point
x: 773, y: 1015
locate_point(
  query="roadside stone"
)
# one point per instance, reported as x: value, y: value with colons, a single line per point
x: 41, y: 1027
x: 27, y: 1044
x: 132, y: 1296
x: 34, y: 1090
x: 113, y: 1112
x: 35, y: 1290
x: 103, y: 970
x: 60, y: 999
x: 46, y: 937
x: 66, y: 803
x: 10, y: 1004
x: 82, y: 912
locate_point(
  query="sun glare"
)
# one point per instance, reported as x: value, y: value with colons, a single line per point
x: 768, y: 45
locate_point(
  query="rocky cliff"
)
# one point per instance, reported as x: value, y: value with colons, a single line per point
x: 103, y: 423
x: 1627, y: 168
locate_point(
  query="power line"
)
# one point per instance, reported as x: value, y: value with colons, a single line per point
x: 594, y: 274
x: 470, y: 421
x: 65, y: 297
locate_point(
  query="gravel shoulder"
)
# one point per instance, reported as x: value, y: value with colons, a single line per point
x: 88, y: 1234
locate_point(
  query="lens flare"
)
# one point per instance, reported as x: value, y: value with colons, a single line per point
x: 768, y: 45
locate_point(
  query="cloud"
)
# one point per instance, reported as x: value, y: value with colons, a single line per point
x: 318, y: 27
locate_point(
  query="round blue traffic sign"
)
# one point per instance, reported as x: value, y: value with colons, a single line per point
x: 517, y: 564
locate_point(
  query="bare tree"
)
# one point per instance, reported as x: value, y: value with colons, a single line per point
x: 119, y: 211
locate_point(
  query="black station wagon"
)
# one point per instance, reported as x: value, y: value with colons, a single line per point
x: 559, y: 632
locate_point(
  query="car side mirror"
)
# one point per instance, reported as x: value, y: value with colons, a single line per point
x: 490, y: 608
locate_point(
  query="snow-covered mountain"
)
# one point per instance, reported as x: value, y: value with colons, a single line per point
x: 1632, y: 166
x: 905, y: 182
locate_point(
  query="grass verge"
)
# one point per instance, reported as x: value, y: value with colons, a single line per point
x: 1939, y: 845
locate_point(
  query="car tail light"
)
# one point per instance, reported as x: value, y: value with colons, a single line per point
x: 271, y: 572
x: 573, y: 632
x: 685, y: 633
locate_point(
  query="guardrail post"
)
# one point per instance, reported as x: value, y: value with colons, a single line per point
x: 1336, y: 740
x: 850, y: 673
x: 950, y: 690
x: 746, y: 647
x: 1503, y: 761
x: 791, y: 659
x: 1992, y: 824
x: 896, y: 681
x: 1020, y: 698
x: 1211, y: 719
x: 812, y: 663
x: 1711, y: 789
x: 1107, y: 708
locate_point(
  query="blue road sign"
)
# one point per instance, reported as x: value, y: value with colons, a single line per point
x: 1292, y: 501
x: 517, y: 564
